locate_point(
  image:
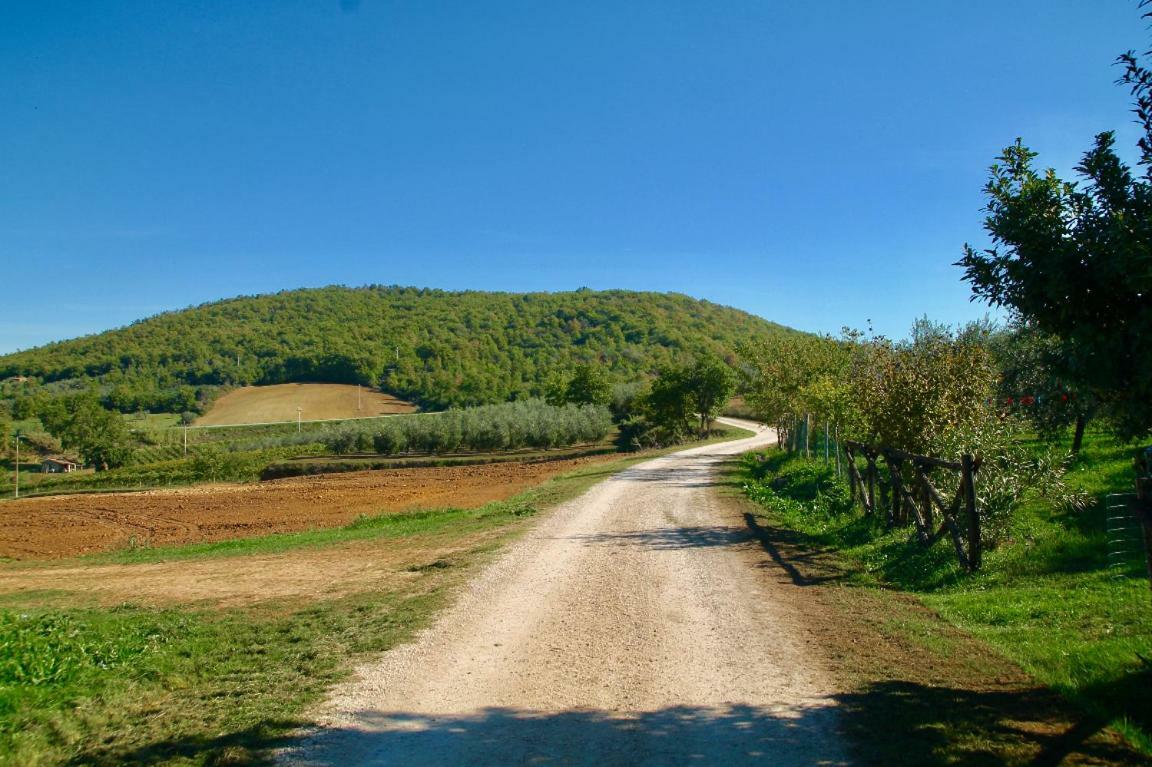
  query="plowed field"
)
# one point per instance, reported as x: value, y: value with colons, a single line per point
x: 63, y: 526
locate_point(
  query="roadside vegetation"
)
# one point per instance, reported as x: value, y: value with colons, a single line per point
x: 1049, y: 597
x: 1051, y: 409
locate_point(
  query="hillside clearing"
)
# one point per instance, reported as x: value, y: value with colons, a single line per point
x: 317, y: 402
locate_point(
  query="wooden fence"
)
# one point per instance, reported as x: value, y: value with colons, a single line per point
x: 907, y: 495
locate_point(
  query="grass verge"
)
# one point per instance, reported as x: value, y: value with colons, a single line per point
x: 1046, y: 598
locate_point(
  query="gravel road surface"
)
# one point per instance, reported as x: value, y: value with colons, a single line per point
x: 634, y: 625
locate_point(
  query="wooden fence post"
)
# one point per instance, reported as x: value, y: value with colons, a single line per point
x: 851, y: 474
x: 925, y: 496
x: 885, y: 501
x: 896, y: 502
x: 836, y: 445
x: 968, y: 481
x: 871, y: 481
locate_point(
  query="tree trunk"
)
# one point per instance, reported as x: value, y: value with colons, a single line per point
x: 1078, y: 437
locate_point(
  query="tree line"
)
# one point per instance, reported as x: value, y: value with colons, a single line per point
x: 437, y: 348
x: 940, y: 392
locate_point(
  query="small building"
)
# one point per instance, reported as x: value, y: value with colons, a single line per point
x: 58, y: 465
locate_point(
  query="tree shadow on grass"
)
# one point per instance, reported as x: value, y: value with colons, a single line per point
x: 250, y: 746
x: 906, y: 723
x: 919, y: 713
x: 805, y: 564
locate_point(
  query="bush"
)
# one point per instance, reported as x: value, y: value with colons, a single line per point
x: 1010, y: 473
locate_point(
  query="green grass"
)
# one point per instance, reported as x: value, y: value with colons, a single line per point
x: 151, y: 421
x: 1045, y: 597
x: 139, y: 684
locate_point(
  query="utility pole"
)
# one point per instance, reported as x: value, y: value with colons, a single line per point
x: 185, y: 440
x: 357, y: 398
x: 299, y: 410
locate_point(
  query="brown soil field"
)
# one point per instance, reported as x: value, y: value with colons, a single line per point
x: 65, y: 526
x: 268, y: 404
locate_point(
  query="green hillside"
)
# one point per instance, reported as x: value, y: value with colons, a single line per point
x: 434, y: 347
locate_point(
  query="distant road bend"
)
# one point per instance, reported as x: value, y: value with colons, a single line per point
x: 631, y: 626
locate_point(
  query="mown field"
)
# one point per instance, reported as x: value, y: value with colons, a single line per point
x: 1047, y: 598
x: 317, y: 402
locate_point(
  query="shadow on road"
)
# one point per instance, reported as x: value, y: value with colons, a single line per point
x: 886, y: 723
x: 669, y: 538
x: 734, y: 735
x: 694, y: 475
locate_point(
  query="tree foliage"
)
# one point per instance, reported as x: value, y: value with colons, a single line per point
x: 668, y: 406
x: 587, y: 386
x: 709, y: 383
x: 912, y: 394
x: 934, y: 394
x: 82, y: 424
x: 1032, y: 383
x: 687, y: 394
x: 1072, y: 259
x: 901, y: 394
x: 788, y: 377
x: 437, y: 348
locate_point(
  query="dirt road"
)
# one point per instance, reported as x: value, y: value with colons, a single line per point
x: 631, y: 626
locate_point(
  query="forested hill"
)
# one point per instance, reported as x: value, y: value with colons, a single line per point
x: 435, y: 347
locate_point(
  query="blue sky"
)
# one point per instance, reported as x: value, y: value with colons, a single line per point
x: 818, y: 164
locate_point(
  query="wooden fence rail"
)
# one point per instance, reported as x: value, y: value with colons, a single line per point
x: 908, y: 496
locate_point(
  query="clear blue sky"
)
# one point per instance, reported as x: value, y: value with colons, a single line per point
x: 819, y: 164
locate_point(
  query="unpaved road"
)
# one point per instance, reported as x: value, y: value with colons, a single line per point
x: 631, y: 626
